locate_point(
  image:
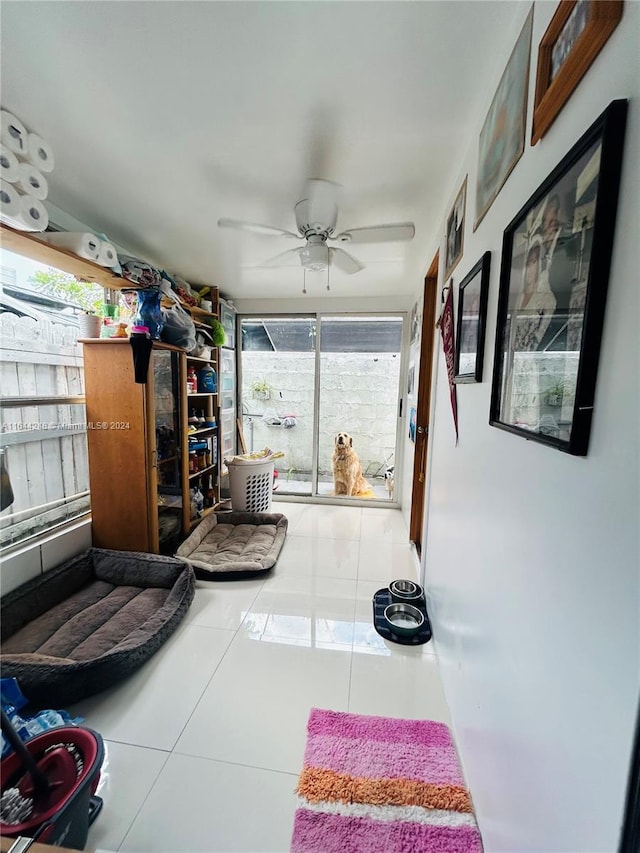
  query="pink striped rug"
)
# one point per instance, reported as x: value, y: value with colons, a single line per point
x: 373, y: 784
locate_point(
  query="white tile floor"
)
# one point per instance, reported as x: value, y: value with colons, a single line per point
x: 205, y: 743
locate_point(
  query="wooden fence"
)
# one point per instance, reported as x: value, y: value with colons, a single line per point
x: 45, y: 445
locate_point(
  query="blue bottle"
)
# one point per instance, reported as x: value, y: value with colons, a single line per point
x: 207, y: 380
x: 148, y: 313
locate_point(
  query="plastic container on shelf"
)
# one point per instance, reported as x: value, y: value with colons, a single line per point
x: 251, y: 484
x: 207, y: 380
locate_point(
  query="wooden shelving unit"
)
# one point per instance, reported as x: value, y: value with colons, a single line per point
x: 128, y: 494
x: 30, y: 246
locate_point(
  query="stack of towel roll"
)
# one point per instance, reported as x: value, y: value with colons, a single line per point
x: 24, y: 158
x: 85, y: 245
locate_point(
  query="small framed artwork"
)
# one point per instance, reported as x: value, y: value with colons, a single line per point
x: 413, y: 414
x: 556, y: 256
x: 414, y: 323
x: 577, y: 33
x: 502, y: 136
x: 411, y: 379
x: 455, y: 231
x: 472, y: 319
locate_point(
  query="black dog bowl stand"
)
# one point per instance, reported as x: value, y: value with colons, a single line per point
x: 381, y: 599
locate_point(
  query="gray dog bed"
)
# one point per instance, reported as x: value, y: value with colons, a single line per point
x: 234, y: 545
x: 88, y: 623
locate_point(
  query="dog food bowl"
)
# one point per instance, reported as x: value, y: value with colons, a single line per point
x: 405, y: 591
x: 405, y: 619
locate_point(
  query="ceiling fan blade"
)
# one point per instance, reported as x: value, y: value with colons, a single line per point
x: 345, y: 262
x: 256, y: 228
x: 392, y: 232
x: 290, y: 258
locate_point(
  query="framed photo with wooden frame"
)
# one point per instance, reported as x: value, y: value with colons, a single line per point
x: 473, y: 293
x: 576, y: 34
x: 454, y: 235
x: 556, y: 256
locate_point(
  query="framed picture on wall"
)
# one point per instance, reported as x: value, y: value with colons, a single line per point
x: 472, y: 318
x: 413, y: 414
x: 576, y: 34
x: 502, y: 136
x: 556, y: 255
x: 455, y: 231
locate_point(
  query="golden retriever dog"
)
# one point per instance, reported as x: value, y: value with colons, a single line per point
x: 348, y: 478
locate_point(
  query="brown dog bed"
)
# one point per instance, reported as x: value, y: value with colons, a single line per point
x: 234, y: 545
x: 81, y: 627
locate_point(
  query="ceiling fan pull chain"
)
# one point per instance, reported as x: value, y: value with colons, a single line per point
x: 328, y: 288
x: 304, y: 280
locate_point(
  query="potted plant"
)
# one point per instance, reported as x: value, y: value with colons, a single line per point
x: 557, y: 391
x: 261, y: 389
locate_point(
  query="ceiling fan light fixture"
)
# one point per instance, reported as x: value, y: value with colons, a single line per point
x: 315, y: 256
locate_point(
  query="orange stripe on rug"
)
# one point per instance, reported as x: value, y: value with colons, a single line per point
x: 318, y: 784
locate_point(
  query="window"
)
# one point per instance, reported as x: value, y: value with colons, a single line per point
x: 45, y: 474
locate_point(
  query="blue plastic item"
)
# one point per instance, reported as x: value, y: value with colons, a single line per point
x: 13, y: 701
x: 148, y: 313
x: 207, y: 380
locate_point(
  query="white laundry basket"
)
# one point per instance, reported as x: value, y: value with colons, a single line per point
x: 251, y: 484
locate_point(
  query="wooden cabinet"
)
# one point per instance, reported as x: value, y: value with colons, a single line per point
x: 138, y: 440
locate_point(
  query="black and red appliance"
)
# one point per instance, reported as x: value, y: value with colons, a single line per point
x: 53, y: 778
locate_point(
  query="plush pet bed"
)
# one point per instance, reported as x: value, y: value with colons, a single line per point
x: 88, y: 623
x: 233, y: 545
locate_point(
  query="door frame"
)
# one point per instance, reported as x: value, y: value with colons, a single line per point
x: 423, y: 404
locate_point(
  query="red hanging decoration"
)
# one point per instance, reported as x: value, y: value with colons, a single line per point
x: 449, y: 346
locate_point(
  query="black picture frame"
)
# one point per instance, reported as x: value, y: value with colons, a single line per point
x: 473, y: 293
x: 556, y: 258
x: 454, y: 230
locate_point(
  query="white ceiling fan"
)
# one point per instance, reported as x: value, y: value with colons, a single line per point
x: 316, y: 217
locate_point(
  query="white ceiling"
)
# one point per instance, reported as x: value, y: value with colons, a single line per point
x: 165, y: 116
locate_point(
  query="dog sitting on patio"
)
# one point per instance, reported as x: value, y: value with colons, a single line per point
x: 348, y: 478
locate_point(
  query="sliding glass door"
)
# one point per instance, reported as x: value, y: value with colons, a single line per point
x: 325, y: 391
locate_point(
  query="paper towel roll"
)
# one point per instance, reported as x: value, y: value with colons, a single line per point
x: 81, y: 243
x: 14, y: 134
x: 8, y: 164
x: 40, y: 153
x: 31, y: 181
x: 108, y: 256
x: 9, y: 200
x: 32, y: 215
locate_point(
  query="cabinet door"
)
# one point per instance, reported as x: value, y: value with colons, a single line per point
x: 167, y: 431
x: 118, y: 449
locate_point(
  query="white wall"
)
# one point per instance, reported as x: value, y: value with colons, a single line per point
x: 531, y: 560
x: 46, y: 552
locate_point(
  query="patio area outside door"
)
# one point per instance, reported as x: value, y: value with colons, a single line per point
x: 305, y: 378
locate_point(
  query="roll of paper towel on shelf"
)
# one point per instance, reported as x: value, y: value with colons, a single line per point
x: 9, y: 200
x: 81, y: 243
x: 14, y: 134
x: 31, y: 216
x: 31, y: 181
x: 107, y: 257
x: 9, y: 164
x: 40, y: 153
